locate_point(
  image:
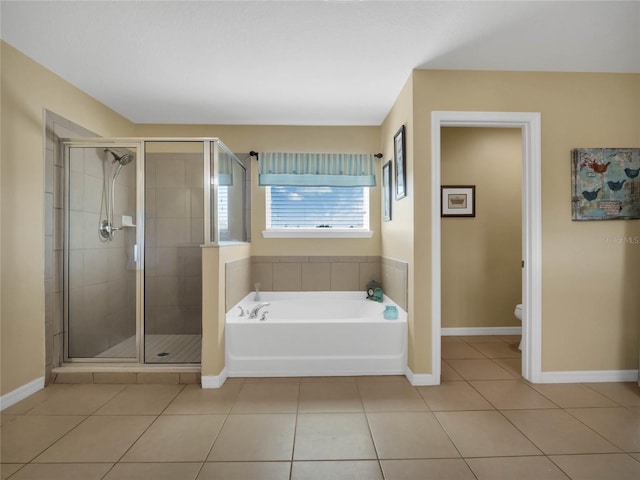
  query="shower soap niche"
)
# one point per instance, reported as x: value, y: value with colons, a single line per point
x: 127, y: 221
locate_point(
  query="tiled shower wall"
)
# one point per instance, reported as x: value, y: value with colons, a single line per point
x: 174, y: 202
x: 102, y: 273
x: 56, y: 127
x: 315, y: 273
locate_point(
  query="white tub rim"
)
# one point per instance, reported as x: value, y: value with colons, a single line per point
x: 247, y: 303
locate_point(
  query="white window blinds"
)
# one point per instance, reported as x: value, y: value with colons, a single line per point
x: 293, y: 207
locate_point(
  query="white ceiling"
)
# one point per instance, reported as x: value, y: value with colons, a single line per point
x: 331, y: 62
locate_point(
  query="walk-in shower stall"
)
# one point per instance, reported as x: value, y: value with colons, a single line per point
x: 136, y: 214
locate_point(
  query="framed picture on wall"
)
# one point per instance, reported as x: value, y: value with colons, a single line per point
x: 386, y: 192
x: 458, y: 201
x: 606, y: 182
x: 401, y: 163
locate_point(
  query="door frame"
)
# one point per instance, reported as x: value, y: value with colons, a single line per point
x: 530, y: 125
x: 66, y: 144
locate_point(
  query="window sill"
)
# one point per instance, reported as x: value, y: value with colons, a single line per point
x: 316, y: 233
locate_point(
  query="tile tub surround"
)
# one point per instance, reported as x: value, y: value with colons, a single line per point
x: 316, y: 273
x: 238, y: 281
x: 395, y: 275
x: 319, y: 428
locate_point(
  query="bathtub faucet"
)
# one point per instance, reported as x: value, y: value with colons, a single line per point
x: 256, y: 309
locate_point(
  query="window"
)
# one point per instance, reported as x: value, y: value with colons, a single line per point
x: 317, y: 211
x: 223, y: 208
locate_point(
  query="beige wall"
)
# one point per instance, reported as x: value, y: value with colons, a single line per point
x: 28, y: 88
x: 398, y: 234
x: 589, y: 287
x: 481, y: 274
x: 244, y: 138
x: 214, y: 260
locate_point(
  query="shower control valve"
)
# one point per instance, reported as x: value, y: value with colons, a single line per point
x: 107, y: 229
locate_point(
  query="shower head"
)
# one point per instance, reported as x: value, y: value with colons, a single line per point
x: 126, y: 158
x: 122, y: 159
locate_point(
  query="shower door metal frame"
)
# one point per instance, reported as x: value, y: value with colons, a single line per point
x: 210, y: 185
x: 67, y: 145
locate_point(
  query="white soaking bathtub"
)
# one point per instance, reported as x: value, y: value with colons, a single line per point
x: 315, y: 334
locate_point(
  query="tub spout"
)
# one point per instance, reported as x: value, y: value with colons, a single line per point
x: 256, y: 309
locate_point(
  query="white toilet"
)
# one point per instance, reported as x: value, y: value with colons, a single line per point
x: 518, y: 314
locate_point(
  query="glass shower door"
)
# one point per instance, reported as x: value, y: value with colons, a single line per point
x: 100, y: 252
x: 174, y: 226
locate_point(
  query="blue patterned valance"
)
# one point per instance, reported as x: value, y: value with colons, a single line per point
x: 316, y: 169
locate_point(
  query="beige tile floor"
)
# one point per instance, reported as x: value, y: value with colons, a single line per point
x: 484, y: 422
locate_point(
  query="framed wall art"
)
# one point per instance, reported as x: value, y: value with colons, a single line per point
x: 606, y: 183
x: 458, y: 201
x: 399, y: 155
x: 386, y: 191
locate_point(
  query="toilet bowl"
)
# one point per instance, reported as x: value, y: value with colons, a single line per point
x: 518, y: 313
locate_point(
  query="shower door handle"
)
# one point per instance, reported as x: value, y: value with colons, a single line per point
x: 135, y: 253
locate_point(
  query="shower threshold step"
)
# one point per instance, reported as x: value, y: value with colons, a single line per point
x: 121, y: 373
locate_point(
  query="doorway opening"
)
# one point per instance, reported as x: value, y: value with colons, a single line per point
x: 481, y: 252
x: 529, y: 125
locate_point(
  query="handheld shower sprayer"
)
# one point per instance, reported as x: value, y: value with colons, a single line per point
x: 107, y: 229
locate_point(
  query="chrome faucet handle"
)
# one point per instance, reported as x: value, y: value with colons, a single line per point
x: 264, y: 315
x: 242, y: 311
x: 255, y: 310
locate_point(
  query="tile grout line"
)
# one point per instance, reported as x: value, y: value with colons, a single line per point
x: 228, y: 414
x: 295, y: 431
x: 217, y: 436
x: 60, y: 438
x: 454, y: 443
x: 485, y: 357
x: 595, y: 431
x: 86, y: 417
x: 146, y: 429
x: 516, y: 427
x: 366, y: 417
x: 606, y: 396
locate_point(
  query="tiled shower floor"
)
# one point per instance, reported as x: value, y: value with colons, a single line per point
x: 483, y: 422
x: 160, y: 349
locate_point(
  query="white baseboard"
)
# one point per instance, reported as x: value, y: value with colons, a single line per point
x: 21, y: 393
x: 415, y: 379
x: 421, y: 379
x: 214, y: 381
x: 481, y: 331
x: 593, y: 376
